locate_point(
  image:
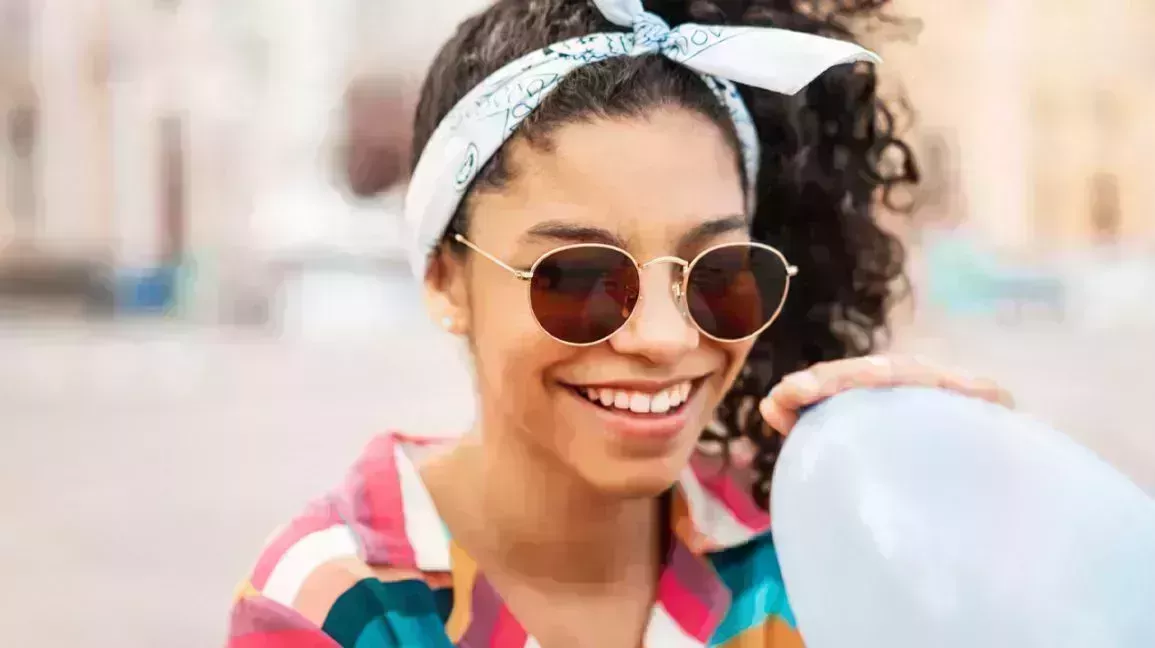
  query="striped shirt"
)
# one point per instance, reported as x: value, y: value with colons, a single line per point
x: 373, y: 566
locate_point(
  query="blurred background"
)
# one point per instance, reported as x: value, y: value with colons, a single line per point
x: 201, y: 322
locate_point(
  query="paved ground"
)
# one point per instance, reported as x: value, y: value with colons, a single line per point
x: 142, y: 468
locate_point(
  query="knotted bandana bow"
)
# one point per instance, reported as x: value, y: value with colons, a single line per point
x: 772, y: 59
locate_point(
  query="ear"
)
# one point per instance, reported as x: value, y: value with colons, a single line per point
x: 446, y: 293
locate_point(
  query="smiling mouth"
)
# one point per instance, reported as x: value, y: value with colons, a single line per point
x: 669, y: 400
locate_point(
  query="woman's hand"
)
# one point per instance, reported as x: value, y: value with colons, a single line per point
x: 823, y: 380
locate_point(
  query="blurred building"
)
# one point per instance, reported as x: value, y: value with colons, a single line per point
x: 189, y: 156
x: 183, y: 155
x: 1033, y: 119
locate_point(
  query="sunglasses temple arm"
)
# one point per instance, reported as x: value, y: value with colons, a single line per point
x: 520, y: 274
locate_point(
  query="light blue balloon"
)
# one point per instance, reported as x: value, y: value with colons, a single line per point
x: 916, y: 518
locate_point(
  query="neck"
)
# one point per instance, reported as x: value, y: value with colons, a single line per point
x: 542, y: 522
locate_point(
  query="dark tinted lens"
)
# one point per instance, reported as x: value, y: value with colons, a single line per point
x: 584, y: 294
x: 735, y: 290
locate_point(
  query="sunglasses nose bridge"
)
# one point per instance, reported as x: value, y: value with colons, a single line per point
x: 681, y: 264
x: 677, y: 280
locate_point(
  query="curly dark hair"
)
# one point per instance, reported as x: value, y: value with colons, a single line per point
x: 830, y: 156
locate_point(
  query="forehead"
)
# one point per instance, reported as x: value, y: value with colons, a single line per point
x: 648, y: 180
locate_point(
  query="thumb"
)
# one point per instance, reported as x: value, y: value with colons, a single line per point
x: 780, y: 418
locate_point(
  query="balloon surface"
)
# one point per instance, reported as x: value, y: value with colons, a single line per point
x: 917, y: 518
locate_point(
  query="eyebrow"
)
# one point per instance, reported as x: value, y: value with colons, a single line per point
x: 572, y: 233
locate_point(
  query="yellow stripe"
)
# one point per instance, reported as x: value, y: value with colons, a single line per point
x: 775, y: 633
x: 244, y: 590
x: 683, y: 525
x: 464, y: 574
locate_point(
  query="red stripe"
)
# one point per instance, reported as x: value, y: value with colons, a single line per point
x: 289, y: 639
x: 685, y: 608
x: 727, y: 493
x: 507, y: 632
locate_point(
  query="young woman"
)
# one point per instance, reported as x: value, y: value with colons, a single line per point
x: 650, y: 189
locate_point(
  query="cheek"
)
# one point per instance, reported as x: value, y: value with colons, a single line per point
x: 736, y: 355
x: 512, y: 354
x: 499, y: 311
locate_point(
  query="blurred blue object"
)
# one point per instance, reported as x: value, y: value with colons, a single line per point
x: 966, y: 279
x: 145, y: 290
x: 958, y: 277
x: 911, y: 517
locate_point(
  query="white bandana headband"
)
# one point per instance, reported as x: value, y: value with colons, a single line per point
x: 772, y: 59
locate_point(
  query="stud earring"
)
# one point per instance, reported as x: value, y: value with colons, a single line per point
x: 447, y: 323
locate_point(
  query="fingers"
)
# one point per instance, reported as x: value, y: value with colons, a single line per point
x: 983, y: 388
x: 801, y: 389
x: 778, y: 417
x: 826, y: 379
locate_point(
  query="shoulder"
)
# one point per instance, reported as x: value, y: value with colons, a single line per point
x: 343, y: 564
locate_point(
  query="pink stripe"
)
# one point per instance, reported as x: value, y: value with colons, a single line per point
x: 317, y: 517
x: 259, y: 615
x: 375, y: 490
x: 294, y: 638
x: 687, y: 610
x: 737, y: 501
x: 507, y: 632
x: 422, y: 441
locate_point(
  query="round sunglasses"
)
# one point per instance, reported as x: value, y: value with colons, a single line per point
x: 582, y: 294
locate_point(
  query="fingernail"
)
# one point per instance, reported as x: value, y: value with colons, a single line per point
x: 881, y: 366
x: 803, y: 381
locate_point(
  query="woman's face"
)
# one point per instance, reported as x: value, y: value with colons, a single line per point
x: 665, y: 185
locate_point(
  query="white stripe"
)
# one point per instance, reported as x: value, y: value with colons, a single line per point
x: 423, y: 526
x: 304, y: 557
x: 531, y: 643
x: 664, y: 632
x: 710, y: 516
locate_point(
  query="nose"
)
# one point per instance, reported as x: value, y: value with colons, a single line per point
x: 658, y: 330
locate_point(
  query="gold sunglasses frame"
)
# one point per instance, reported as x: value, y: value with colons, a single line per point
x: 678, y: 289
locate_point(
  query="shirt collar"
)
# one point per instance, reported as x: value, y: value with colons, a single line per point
x: 394, y: 514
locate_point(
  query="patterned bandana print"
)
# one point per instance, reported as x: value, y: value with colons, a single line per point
x: 772, y: 59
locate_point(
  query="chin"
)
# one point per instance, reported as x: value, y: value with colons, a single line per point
x: 636, y: 486
x: 637, y: 478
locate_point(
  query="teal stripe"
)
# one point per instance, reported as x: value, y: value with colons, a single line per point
x: 754, y: 578
x: 414, y: 616
x: 352, y: 612
x: 377, y: 635
x: 444, y: 599
x: 373, y: 614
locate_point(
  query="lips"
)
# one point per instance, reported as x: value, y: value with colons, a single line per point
x: 642, y: 413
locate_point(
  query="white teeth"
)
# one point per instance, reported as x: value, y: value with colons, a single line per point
x: 660, y: 403
x: 621, y: 400
x: 640, y: 402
